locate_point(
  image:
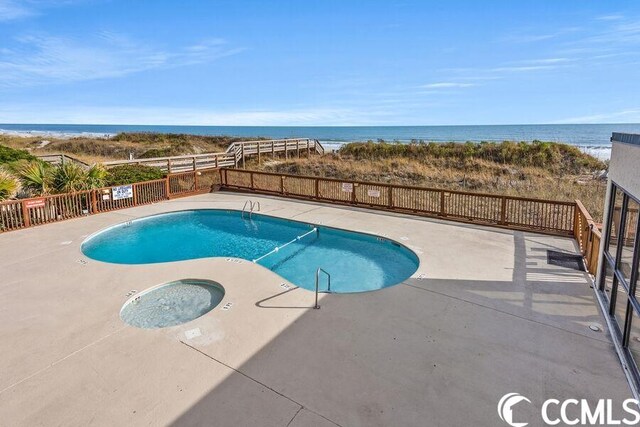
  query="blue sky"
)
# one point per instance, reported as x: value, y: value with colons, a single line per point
x: 319, y: 62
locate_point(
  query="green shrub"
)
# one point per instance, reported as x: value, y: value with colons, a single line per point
x: 174, y: 150
x: 128, y: 174
x: 96, y: 176
x: 8, y: 155
x: 9, y: 185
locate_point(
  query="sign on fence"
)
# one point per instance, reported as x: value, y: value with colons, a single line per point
x: 347, y: 187
x: 373, y: 193
x: 122, y: 192
x: 35, y: 203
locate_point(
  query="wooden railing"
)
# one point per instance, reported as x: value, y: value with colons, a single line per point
x: 234, y: 156
x: 588, y: 237
x: 547, y: 216
x: 18, y: 214
x: 61, y: 159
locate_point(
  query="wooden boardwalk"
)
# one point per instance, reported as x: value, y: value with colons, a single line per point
x: 234, y: 156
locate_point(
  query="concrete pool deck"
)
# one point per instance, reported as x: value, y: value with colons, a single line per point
x: 483, y: 316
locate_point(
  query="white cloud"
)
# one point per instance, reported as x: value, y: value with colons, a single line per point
x: 610, y: 17
x: 523, y: 37
x: 18, y: 9
x: 520, y: 69
x: 446, y: 85
x: 625, y: 116
x: 10, y: 10
x: 547, y: 61
x: 36, y: 113
x: 43, y: 59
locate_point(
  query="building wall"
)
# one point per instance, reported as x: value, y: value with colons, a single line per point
x: 624, y: 168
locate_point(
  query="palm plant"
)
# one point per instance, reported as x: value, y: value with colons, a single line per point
x: 34, y: 175
x: 9, y: 185
x: 68, y: 177
x: 96, y: 176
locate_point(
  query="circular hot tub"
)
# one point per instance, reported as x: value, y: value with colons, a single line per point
x: 172, y: 303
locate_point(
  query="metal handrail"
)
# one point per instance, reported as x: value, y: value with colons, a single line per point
x: 318, y: 271
x: 252, y: 208
x: 244, y: 208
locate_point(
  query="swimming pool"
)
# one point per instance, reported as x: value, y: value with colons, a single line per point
x: 357, y: 262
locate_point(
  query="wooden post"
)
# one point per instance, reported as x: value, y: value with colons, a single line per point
x: 169, y: 165
x: 242, y: 148
x: 443, y: 210
x: 576, y: 224
x: 216, y: 159
x: 503, y: 211
x: 390, y: 196
x: 251, y: 179
x: 298, y: 147
x: 26, y: 219
x: 94, y: 201
x: 167, y: 187
x: 281, y: 184
x: 308, y: 148
x: 134, y: 189
x: 195, y: 181
x: 317, y: 182
x: 286, y: 151
x: 353, y: 192
x: 258, y: 153
x: 273, y: 149
x: 194, y: 164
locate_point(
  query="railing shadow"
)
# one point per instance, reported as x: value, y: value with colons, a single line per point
x: 260, y: 304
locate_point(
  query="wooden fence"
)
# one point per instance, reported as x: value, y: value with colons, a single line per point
x: 536, y: 215
x: 547, y: 216
x: 61, y: 159
x: 18, y: 214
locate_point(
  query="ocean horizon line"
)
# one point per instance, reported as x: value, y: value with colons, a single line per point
x: 320, y: 126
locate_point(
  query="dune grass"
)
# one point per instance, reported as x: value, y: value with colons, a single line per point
x: 541, y: 170
x: 120, y: 146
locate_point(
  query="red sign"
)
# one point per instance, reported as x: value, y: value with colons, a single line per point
x: 35, y: 203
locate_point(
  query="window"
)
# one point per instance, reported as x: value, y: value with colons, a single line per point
x: 620, y: 270
x: 634, y: 339
x: 628, y: 239
x: 607, y: 278
x: 615, y: 220
x: 620, y: 310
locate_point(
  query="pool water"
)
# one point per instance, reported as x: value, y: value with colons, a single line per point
x: 357, y: 262
x: 172, y: 304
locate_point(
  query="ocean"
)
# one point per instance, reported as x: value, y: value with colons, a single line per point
x: 591, y: 138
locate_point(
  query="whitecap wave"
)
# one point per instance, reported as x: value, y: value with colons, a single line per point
x: 54, y: 134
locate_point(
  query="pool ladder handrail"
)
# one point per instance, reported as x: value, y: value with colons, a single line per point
x: 318, y: 271
x: 252, y: 208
